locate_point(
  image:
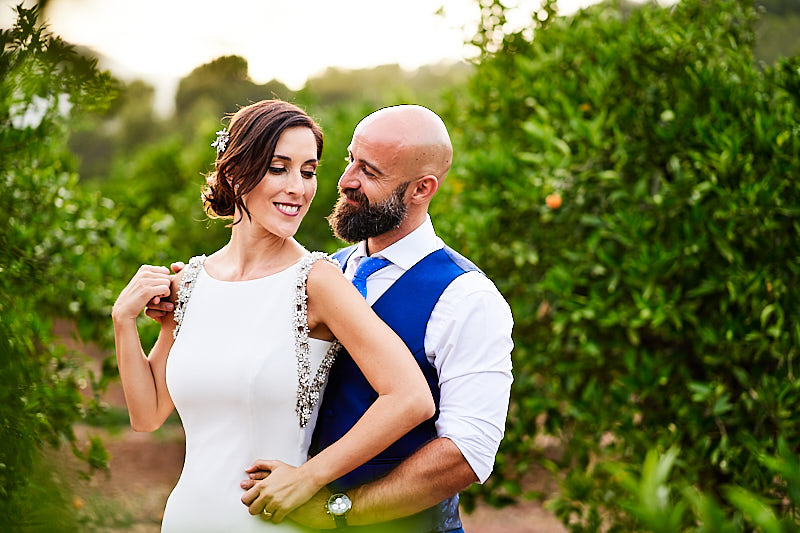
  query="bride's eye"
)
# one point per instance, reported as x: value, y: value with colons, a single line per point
x: 276, y: 170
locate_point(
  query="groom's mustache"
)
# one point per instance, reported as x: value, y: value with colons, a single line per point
x: 356, y: 195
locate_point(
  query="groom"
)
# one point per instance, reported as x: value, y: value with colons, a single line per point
x: 448, y: 312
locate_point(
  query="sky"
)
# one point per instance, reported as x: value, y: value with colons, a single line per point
x: 161, y: 41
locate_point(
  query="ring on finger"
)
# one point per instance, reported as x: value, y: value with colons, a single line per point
x: 266, y: 513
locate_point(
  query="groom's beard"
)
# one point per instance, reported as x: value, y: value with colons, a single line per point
x: 354, y: 223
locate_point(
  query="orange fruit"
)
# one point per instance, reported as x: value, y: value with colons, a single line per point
x: 553, y: 201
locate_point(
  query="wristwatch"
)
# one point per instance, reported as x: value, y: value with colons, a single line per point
x: 337, y: 506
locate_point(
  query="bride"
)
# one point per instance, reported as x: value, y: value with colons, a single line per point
x: 245, y: 354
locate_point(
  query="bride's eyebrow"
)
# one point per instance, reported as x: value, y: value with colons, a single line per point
x: 289, y: 159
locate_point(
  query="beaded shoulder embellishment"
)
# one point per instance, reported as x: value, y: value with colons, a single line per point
x: 307, y: 388
x: 187, y: 284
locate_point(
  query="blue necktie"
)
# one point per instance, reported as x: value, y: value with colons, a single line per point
x: 367, y: 267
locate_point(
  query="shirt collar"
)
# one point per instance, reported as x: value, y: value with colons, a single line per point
x: 409, y: 250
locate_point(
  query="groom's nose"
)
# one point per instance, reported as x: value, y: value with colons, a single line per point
x: 349, y: 179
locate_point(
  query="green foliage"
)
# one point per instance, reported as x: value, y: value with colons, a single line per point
x: 651, y: 502
x: 382, y: 85
x: 657, y: 503
x: 54, y: 245
x: 46, y: 497
x: 655, y: 308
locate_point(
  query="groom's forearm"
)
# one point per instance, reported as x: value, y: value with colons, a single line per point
x: 435, y: 472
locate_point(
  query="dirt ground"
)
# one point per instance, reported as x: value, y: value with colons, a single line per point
x: 144, y: 467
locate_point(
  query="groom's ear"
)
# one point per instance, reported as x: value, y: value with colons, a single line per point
x: 423, y: 189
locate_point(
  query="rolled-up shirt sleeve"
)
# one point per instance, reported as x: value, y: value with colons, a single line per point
x: 469, y: 342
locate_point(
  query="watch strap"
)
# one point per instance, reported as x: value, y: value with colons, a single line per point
x: 341, y: 521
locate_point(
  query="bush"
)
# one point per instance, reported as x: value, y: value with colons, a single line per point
x: 48, y: 229
x: 655, y: 307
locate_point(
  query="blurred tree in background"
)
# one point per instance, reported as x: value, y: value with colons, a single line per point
x: 385, y: 83
x: 628, y: 178
x: 219, y: 87
x: 119, y: 129
x: 778, y: 30
x: 779, y: 7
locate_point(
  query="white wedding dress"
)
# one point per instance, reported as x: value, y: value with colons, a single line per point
x: 246, y: 380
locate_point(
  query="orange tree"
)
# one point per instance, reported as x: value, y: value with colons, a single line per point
x: 655, y: 292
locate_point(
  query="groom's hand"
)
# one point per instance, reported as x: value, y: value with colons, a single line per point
x: 312, y: 513
x: 159, y: 308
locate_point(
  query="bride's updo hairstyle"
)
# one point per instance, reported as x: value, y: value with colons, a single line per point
x: 254, y: 132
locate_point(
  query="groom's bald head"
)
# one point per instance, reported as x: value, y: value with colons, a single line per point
x: 414, y: 138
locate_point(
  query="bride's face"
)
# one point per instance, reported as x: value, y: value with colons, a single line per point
x: 282, y: 198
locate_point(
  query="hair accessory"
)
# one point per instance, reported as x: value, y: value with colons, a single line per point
x: 222, y: 140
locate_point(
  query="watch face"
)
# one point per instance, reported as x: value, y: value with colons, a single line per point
x: 339, y: 504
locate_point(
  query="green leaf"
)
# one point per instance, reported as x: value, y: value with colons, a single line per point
x: 754, y: 509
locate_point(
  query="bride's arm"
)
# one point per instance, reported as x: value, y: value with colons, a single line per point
x: 404, y: 399
x: 143, y: 377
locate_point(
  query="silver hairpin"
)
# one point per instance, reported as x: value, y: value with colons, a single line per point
x: 222, y: 140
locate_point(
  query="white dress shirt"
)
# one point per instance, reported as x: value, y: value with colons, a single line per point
x: 468, y: 341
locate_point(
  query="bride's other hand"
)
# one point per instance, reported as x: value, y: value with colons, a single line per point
x: 149, y: 283
x: 283, y: 489
x: 254, y: 476
x: 310, y: 514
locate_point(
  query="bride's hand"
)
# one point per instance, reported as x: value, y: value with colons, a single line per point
x: 149, y: 282
x: 159, y: 309
x: 284, y: 489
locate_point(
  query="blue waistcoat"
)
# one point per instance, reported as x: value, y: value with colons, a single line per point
x: 406, y: 308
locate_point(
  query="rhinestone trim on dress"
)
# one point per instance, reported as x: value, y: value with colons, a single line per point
x: 187, y: 284
x: 308, y: 389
